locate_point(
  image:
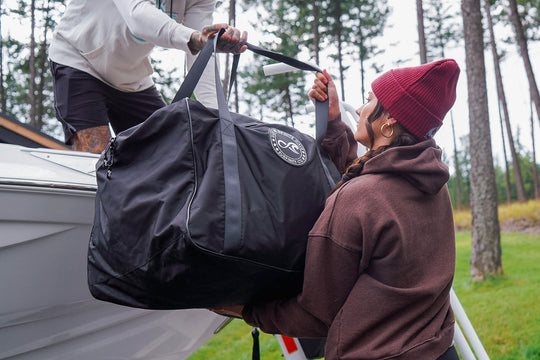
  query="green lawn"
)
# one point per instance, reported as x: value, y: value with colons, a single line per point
x: 505, y: 312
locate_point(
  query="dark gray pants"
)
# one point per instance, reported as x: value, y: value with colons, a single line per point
x: 82, y: 101
x: 450, y: 354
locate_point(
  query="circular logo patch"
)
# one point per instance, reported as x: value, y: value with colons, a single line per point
x: 289, y: 148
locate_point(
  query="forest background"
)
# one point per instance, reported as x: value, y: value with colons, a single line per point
x: 390, y: 39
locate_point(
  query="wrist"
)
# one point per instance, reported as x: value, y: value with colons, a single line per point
x: 195, y: 43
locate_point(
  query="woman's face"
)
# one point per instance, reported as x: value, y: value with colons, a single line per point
x: 363, y: 112
x: 362, y: 135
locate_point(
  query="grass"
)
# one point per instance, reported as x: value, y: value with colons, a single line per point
x: 505, y: 312
x: 235, y: 342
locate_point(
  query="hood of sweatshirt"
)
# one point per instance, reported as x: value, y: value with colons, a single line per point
x: 419, y: 164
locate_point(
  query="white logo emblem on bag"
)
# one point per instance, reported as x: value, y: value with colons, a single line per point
x: 289, y: 148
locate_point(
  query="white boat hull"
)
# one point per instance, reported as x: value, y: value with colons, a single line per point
x: 46, y: 310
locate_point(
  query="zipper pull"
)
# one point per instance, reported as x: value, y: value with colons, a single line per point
x: 108, y: 158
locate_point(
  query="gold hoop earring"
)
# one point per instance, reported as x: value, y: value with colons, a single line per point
x: 382, y: 131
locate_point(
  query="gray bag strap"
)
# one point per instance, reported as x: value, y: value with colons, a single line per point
x: 195, y: 73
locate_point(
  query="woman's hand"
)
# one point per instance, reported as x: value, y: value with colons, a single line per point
x: 230, y: 41
x: 234, y: 311
x: 324, y: 88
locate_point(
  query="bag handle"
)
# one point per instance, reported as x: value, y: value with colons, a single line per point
x: 195, y: 73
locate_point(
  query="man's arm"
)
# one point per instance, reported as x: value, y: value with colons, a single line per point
x: 149, y: 23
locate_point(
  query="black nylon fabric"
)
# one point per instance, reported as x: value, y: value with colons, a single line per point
x: 158, y: 235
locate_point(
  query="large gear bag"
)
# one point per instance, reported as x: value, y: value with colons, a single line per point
x: 200, y: 207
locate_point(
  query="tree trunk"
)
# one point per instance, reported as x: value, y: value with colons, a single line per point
x: 289, y: 105
x: 524, y: 52
x: 421, y: 35
x: 40, y: 110
x: 3, y: 102
x: 32, y: 61
x: 441, y: 39
x: 508, y: 187
x: 486, y: 241
x: 362, y: 76
x: 43, y: 67
x: 340, y: 46
x: 341, y: 69
x: 502, y: 102
x: 459, y: 205
x: 535, y: 167
x: 226, y: 80
x: 362, y: 60
x: 316, y: 46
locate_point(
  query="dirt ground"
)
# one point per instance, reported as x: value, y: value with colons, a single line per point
x: 520, y: 226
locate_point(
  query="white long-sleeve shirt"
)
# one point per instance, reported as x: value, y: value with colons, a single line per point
x: 112, y: 39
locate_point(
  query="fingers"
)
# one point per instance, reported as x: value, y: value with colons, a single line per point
x: 324, y: 89
x: 242, y: 44
x: 232, y: 41
x: 319, y: 89
x: 198, y: 39
x: 209, y: 31
x: 327, y: 77
x: 228, y: 40
x: 317, y: 94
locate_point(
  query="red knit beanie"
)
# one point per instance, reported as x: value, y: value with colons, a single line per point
x: 419, y: 97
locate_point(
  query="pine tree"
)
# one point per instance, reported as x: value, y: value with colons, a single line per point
x: 486, y: 239
x: 503, y: 106
x: 283, y: 94
x: 369, y: 20
x: 3, y: 103
x: 521, y: 40
x: 28, y: 81
x: 443, y: 32
x: 421, y: 32
x: 339, y: 33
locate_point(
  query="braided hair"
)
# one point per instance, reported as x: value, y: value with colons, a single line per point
x: 402, y: 139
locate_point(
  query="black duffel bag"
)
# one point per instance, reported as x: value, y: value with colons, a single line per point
x: 200, y: 207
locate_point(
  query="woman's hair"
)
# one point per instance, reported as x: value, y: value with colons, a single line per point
x: 402, y: 139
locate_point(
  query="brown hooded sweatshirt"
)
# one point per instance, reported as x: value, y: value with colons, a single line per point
x: 380, y: 260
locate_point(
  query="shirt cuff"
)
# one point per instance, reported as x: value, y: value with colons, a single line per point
x: 181, y: 36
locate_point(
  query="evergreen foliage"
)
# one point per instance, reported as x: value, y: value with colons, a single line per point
x: 347, y: 31
x: 280, y: 97
x: 17, y: 81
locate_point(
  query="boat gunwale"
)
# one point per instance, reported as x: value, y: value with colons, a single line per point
x: 26, y: 184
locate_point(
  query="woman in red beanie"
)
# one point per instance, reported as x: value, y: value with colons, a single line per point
x: 381, y: 257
